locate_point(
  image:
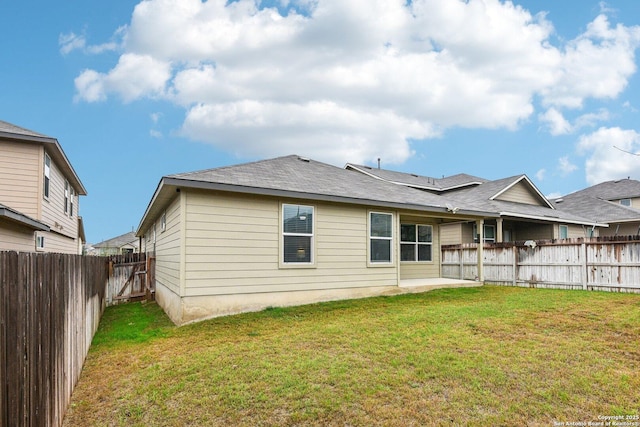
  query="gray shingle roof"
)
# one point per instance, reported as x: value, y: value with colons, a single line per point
x: 299, y: 175
x: 481, y: 196
x: 419, y: 181
x: 20, y: 218
x: 9, y: 128
x: 594, y: 202
x: 613, y: 190
x: 119, y: 241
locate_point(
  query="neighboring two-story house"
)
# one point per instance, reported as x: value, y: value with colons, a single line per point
x: 614, y: 202
x: 39, y: 194
x: 523, y: 212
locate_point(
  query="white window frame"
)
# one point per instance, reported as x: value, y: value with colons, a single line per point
x: 416, y: 243
x: 484, y: 234
x: 311, y: 236
x: 625, y: 202
x: 66, y: 196
x: 371, y: 238
x: 566, y: 229
x: 71, y: 200
x: 47, y: 176
x: 40, y: 242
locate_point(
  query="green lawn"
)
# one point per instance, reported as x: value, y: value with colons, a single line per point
x: 472, y: 356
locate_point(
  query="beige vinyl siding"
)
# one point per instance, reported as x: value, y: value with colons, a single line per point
x: 20, y: 176
x: 635, y: 202
x: 233, y: 246
x: 451, y: 234
x: 16, y: 238
x: 535, y: 231
x: 625, y: 229
x: 574, y: 231
x: 521, y: 193
x: 54, y: 242
x: 168, y: 247
x: 426, y: 269
x: 53, y: 213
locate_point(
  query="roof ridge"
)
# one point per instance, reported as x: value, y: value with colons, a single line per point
x: 222, y: 168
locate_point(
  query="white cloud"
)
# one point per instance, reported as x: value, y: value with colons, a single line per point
x: 558, y: 125
x: 134, y: 77
x: 609, y: 152
x: 540, y: 175
x: 565, y: 166
x: 597, y: 64
x: 252, y: 127
x: 259, y: 82
x: 70, y: 42
x: 556, y: 122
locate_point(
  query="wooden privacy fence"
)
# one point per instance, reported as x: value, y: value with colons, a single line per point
x: 50, y: 307
x: 131, y: 277
x: 602, y: 264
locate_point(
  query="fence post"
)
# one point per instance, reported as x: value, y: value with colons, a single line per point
x: 461, y: 262
x: 515, y: 265
x: 584, y: 273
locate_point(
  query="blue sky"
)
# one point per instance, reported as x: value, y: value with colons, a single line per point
x: 137, y: 90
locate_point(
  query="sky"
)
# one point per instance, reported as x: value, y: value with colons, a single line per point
x: 136, y: 90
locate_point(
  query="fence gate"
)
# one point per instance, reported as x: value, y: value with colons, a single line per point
x: 131, y: 278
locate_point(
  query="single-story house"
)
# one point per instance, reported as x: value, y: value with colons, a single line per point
x: 124, y: 244
x: 524, y: 213
x: 614, y: 202
x: 288, y: 231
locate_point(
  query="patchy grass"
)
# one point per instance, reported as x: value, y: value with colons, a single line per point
x: 473, y: 356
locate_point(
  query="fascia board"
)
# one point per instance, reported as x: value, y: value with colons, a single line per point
x: 552, y: 219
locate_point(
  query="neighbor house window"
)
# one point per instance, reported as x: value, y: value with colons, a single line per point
x: 297, y: 233
x: 66, y: 197
x: 40, y: 243
x: 416, y: 242
x: 47, y: 174
x: 625, y: 202
x: 564, y: 232
x: 380, y: 237
x: 71, y: 198
x: 489, y: 233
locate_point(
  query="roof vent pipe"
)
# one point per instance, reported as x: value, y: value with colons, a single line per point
x: 378, y: 162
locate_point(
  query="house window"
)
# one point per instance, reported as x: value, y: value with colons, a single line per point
x: 39, y: 243
x: 66, y: 197
x: 416, y: 242
x: 71, y: 199
x: 380, y: 237
x: 163, y: 222
x: 489, y: 233
x: 297, y: 234
x: 625, y: 202
x: 564, y: 232
x: 47, y: 173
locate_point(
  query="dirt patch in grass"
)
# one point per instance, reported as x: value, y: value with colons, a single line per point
x: 479, y: 356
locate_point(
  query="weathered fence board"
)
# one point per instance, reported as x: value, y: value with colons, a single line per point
x: 609, y: 263
x: 130, y: 278
x: 50, y: 306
